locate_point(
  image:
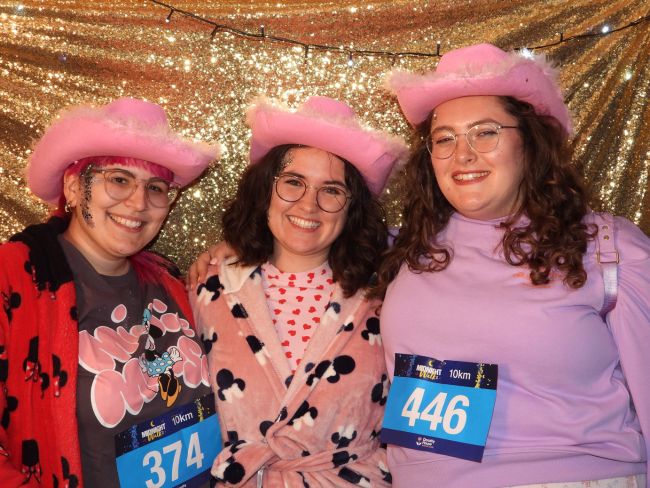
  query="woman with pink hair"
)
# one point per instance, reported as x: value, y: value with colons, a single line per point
x: 102, y: 373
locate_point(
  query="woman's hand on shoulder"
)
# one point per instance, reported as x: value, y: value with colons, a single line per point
x: 214, y: 256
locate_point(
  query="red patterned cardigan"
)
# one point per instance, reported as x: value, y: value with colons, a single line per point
x: 39, y: 352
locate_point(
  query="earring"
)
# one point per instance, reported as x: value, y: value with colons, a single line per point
x: 67, y: 207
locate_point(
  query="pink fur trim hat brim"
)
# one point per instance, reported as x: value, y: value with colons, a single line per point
x: 482, y: 69
x: 330, y: 125
x: 126, y: 127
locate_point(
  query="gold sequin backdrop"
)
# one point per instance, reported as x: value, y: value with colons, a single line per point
x: 55, y: 53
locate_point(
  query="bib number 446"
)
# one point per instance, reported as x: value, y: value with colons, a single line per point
x: 451, y: 414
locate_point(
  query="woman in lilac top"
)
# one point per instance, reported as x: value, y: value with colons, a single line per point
x: 501, y: 262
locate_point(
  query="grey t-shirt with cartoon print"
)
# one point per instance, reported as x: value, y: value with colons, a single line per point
x: 138, y: 359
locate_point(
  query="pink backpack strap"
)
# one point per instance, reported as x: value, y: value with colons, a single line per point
x: 608, y: 258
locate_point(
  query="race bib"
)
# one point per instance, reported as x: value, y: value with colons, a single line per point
x: 443, y: 407
x: 174, y: 449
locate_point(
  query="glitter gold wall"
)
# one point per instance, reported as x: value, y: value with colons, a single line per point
x: 55, y: 53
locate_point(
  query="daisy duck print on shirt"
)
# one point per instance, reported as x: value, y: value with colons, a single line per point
x: 135, y: 365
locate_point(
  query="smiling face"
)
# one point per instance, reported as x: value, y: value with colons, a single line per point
x: 479, y: 185
x: 302, y: 232
x: 113, y: 229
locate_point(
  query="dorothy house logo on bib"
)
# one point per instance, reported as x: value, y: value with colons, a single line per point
x: 443, y: 407
x: 425, y: 442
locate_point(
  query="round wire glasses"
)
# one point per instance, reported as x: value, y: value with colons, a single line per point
x: 482, y: 138
x: 120, y: 184
x: 329, y: 198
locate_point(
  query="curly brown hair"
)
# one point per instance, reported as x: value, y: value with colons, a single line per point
x: 355, y: 254
x: 553, y: 198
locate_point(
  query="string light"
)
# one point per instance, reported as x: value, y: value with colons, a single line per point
x: 392, y: 55
x: 526, y: 53
x: 602, y: 33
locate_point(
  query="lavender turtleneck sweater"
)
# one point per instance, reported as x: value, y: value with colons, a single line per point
x: 573, y: 396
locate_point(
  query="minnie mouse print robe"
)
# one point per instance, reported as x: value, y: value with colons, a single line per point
x: 316, y: 428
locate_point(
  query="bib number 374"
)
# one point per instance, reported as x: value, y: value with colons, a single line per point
x: 442, y: 407
x: 174, y: 449
x: 153, y: 460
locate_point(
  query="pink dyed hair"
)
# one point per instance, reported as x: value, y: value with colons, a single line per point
x: 148, y: 266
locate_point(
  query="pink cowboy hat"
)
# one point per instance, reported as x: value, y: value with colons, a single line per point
x: 126, y: 127
x: 330, y: 125
x: 482, y: 69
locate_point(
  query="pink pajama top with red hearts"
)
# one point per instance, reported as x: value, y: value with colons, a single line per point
x: 296, y: 302
x: 317, y: 427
